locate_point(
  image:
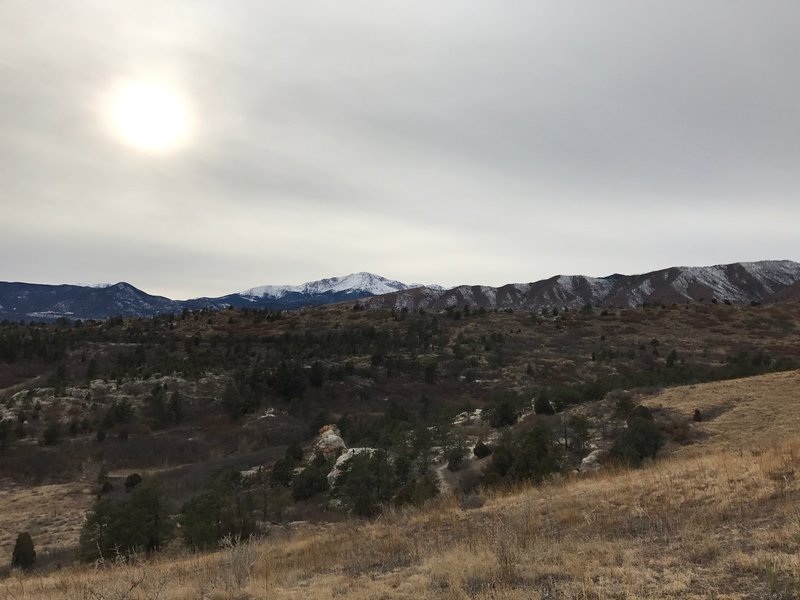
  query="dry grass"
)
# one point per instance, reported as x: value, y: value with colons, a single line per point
x: 52, y: 514
x: 754, y: 411
x: 720, y: 520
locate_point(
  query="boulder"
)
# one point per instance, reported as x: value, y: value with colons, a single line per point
x: 329, y: 442
x: 594, y: 460
x: 466, y: 418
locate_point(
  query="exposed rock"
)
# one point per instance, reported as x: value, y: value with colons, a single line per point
x: 251, y: 473
x: 594, y: 460
x: 329, y: 441
x: 269, y: 414
x: 339, y: 464
x: 466, y: 418
x: 101, y: 385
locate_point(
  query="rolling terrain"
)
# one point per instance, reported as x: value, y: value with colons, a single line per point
x: 182, y: 398
x: 721, y: 522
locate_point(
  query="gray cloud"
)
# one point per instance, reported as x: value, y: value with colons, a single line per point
x: 446, y: 142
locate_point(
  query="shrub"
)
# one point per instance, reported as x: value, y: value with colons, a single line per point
x: 416, y: 491
x: 469, y: 482
x: 471, y: 501
x: 131, y: 481
x: 219, y: 512
x: 580, y: 432
x: 369, y: 480
x: 294, y: 451
x: 317, y: 374
x: 283, y: 471
x: 542, y: 406
x: 52, y: 434
x: 640, y: 440
x: 698, y: 416
x: 677, y: 429
x: 481, y: 450
x: 455, y: 457
x: 140, y: 523
x: 504, y: 412
x: 232, y: 402
x: 6, y: 429
x: 24, y: 555
x: 310, y: 481
x: 640, y: 412
x: 531, y: 454
x: 623, y: 405
x: 536, y: 454
x: 431, y: 372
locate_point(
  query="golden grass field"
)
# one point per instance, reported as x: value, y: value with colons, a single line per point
x: 52, y: 514
x: 719, y: 518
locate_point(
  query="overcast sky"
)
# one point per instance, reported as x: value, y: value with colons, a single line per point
x: 445, y: 142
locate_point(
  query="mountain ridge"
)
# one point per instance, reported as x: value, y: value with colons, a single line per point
x: 741, y: 282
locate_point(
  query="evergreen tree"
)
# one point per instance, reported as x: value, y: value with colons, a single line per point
x: 641, y: 439
x: 222, y: 509
x: 24, y: 555
x: 139, y: 524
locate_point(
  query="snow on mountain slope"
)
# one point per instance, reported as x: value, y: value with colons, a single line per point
x: 763, y: 281
x: 355, y: 282
x: 736, y: 282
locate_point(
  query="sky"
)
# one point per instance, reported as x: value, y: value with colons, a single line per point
x: 450, y: 142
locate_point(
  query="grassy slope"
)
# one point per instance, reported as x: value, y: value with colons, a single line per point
x: 717, y: 519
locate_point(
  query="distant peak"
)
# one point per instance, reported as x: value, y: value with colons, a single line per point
x: 362, y: 281
x: 96, y: 286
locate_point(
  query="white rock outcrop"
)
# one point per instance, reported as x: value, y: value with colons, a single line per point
x: 594, y: 460
x: 340, y: 462
x: 329, y: 441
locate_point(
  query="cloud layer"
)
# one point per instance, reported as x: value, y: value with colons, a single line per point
x: 450, y: 142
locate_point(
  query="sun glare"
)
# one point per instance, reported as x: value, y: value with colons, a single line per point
x: 149, y: 117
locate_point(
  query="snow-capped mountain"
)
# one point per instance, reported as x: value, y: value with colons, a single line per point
x: 312, y: 293
x: 368, y: 283
x: 743, y: 282
x: 27, y: 301
x: 765, y: 281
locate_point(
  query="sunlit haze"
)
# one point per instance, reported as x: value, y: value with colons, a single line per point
x: 148, y: 117
x: 200, y: 148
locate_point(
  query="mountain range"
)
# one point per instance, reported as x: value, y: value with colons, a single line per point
x: 38, y: 302
x: 742, y: 282
x: 313, y: 293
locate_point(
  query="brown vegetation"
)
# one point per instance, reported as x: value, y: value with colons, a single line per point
x: 719, y: 519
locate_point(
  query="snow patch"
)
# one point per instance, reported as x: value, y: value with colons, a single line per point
x: 355, y: 282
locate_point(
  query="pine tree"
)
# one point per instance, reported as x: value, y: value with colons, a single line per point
x: 23, y: 555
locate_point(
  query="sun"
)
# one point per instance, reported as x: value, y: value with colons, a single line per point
x: 149, y: 117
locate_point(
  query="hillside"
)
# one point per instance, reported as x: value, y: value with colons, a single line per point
x: 187, y: 399
x: 35, y: 302
x: 719, y: 523
x: 93, y: 376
